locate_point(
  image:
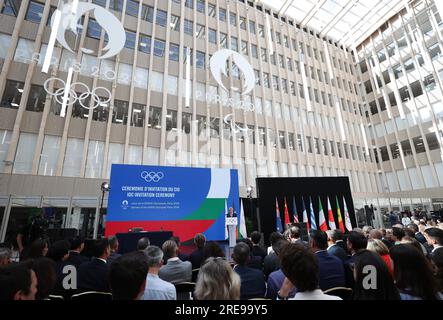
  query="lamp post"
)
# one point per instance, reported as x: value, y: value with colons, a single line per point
x: 105, y: 187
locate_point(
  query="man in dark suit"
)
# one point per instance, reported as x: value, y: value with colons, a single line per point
x: 252, y: 280
x: 356, y: 242
x: 255, y: 262
x: 417, y: 234
x: 256, y: 249
x: 196, y: 256
x: 113, y: 242
x: 333, y: 248
x: 75, y: 257
x: 181, y: 256
x: 295, y: 236
x: 331, y: 270
x: 272, y: 261
x: 434, y: 237
x: 93, y: 275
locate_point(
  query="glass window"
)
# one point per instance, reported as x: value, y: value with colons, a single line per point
x: 222, y: 14
x: 94, y: 161
x: 12, y: 94
x: 234, y: 43
x: 174, y: 50
x: 130, y: 40
x: 175, y: 23
x: 145, y: 44
x: 155, y: 118
x: 212, y: 36
x: 189, y: 4
x: 200, y: 59
x: 244, y: 47
x: 25, y: 153
x: 263, y: 55
x: 261, y: 30
x: 211, y: 10
x: 201, y: 6
x: 186, y: 122
x: 200, y: 34
x: 36, y: 100
x: 233, y: 19
x: 49, y: 155
x: 11, y: 7
x: 147, y: 13
x: 243, y: 23
x: 251, y: 27
x: 5, y: 141
x: 171, y: 120
x: 73, y: 157
x: 35, y: 12
x: 223, y: 40
x: 159, y: 48
x: 157, y: 81
x: 138, y: 115
x: 131, y: 7
x: 120, y: 112
x: 189, y: 27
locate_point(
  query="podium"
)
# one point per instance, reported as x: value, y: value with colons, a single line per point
x: 232, y: 227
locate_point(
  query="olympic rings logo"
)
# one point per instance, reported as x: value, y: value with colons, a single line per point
x: 73, y: 97
x: 152, y: 176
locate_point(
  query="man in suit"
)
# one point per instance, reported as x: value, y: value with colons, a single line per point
x: 434, y: 237
x: 331, y: 270
x: 272, y: 262
x: 113, y: 242
x: 255, y: 262
x: 417, y: 234
x: 333, y: 248
x: 252, y: 280
x: 93, y: 275
x: 256, y: 249
x: 196, y: 256
x: 182, y: 256
x: 356, y: 242
x: 231, y: 213
x: 295, y: 236
x: 174, y: 271
x: 143, y: 243
x: 75, y: 257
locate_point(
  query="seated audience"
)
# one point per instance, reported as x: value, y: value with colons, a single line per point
x: 212, y: 249
x: 377, y: 246
x: 196, y: 256
x: 413, y: 274
x: 276, y: 278
x: 17, y: 282
x: 273, y: 238
x: 143, y: 243
x: 333, y: 248
x: 255, y: 262
x: 113, y: 244
x: 300, y: 267
x: 127, y: 276
x: 175, y: 270
x: 75, y: 257
x: 272, y: 262
x: 382, y: 286
x: 44, y: 269
x: 295, y: 236
x: 331, y: 270
x: 257, y: 250
x: 156, y: 288
x: 93, y: 275
x: 252, y: 280
x: 39, y: 248
x: 5, y: 256
x: 182, y: 256
x: 217, y: 281
x: 356, y: 241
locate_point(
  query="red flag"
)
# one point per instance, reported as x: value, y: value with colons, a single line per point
x: 331, y: 217
x: 287, y: 221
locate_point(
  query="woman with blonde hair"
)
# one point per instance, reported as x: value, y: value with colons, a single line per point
x: 217, y: 281
x: 378, y: 246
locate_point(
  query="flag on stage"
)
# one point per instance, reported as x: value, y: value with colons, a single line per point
x: 313, y: 223
x: 242, y: 225
x: 331, y: 216
x: 321, y: 216
x: 277, y: 218
x: 295, y: 210
x: 226, y: 222
x: 287, y: 220
x: 348, y: 223
x: 305, y: 214
x: 340, y: 220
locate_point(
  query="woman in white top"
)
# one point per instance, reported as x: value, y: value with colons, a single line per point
x: 300, y: 268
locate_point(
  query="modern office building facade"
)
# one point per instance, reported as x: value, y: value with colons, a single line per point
x: 160, y: 101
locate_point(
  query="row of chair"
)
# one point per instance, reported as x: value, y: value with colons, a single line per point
x: 185, y: 291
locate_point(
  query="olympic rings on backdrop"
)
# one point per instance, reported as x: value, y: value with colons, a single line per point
x: 73, y: 97
x: 152, y: 176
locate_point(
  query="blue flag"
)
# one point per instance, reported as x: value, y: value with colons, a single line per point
x: 277, y: 217
x: 313, y: 223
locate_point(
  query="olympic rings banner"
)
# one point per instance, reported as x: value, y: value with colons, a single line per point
x: 183, y: 200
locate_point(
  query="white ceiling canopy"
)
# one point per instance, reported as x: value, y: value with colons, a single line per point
x: 348, y: 22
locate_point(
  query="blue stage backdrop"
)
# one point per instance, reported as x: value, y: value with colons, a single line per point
x: 179, y: 199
